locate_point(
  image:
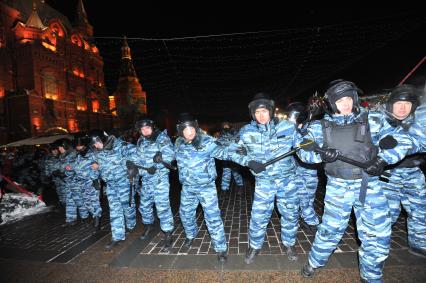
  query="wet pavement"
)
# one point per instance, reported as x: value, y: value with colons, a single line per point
x: 42, y: 243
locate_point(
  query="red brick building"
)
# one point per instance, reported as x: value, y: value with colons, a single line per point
x: 129, y: 97
x: 51, y: 74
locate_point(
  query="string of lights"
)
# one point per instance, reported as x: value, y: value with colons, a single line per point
x: 199, y: 70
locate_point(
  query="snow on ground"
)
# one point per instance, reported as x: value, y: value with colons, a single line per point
x: 15, y: 206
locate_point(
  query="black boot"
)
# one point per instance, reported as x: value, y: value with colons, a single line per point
x: 188, y: 242
x: 222, y: 256
x: 292, y: 253
x: 168, y: 240
x: 308, y: 270
x: 112, y: 244
x: 148, y: 228
x: 250, y: 254
x: 417, y: 251
x: 97, y: 222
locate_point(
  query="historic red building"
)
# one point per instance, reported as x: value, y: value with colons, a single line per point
x: 51, y: 73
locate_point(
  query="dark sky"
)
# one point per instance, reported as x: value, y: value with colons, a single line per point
x: 381, y: 67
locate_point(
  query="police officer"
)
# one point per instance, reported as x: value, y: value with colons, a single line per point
x: 51, y: 162
x: 307, y: 174
x: 155, y: 150
x: 262, y: 140
x: 195, y: 152
x: 84, y: 176
x: 74, y: 197
x: 407, y: 185
x: 110, y: 155
x: 350, y: 131
x: 229, y: 169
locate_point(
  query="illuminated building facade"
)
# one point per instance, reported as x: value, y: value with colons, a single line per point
x: 51, y: 73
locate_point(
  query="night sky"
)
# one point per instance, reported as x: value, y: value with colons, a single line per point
x: 224, y: 72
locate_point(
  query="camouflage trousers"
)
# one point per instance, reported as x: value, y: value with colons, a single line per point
x: 407, y: 186
x: 307, y: 182
x: 121, y: 215
x: 226, y: 178
x: 156, y: 191
x: 206, y: 195
x: 284, y: 191
x: 372, y: 221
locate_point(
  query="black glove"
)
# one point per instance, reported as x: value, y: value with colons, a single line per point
x: 328, y: 154
x: 132, y: 169
x: 257, y: 167
x: 158, y: 158
x: 97, y: 184
x: 151, y: 170
x: 388, y: 142
x: 376, y: 167
x: 241, y: 150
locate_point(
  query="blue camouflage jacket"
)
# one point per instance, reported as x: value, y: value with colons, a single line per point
x: 196, y: 160
x: 375, y: 121
x: 265, y: 142
x: 112, y: 162
x: 146, y: 149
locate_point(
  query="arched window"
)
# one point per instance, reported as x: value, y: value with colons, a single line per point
x: 80, y: 99
x: 50, y: 84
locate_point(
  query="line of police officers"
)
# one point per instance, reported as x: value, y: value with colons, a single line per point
x: 355, y: 145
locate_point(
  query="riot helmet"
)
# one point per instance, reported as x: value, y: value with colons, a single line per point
x: 403, y: 92
x: 145, y: 121
x: 297, y: 112
x: 338, y: 89
x: 97, y: 136
x: 65, y: 143
x: 261, y: 100
x: 186, y: 120
x: 80, y: 139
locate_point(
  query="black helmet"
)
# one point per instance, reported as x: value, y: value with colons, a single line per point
x: 63, y: 142
x: 403, y: 93
x: 261, y: 100
x: 145, y: 121
x: 97, y: 136
x: 297, y: 112
x: 338, y: 89
x: 186, y: 120
x: 80, y: 139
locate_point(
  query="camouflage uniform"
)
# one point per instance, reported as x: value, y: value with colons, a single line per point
x: 155, y: 187
x: 229, y: 170
x: 112, y: 169
x: 262, y: 143
x: 343, y: 194
x: 197, y: 174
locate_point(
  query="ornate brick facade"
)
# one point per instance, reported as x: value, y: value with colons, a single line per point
x: 51, y: 73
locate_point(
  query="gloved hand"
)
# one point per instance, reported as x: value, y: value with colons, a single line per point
x: 132, y: 169
x: 329, y: 154
x: 158, y: 158
x: 388, y: 142
x: 151, y: 170
x: 241, y: 150
x: 97, y: 184
x: 257, y: 167
x: 376, y: 167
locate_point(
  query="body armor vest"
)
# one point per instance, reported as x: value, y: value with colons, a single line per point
x: 353, y: 141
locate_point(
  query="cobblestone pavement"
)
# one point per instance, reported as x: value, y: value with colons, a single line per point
x: 236, y: 211
x: 45, y: 237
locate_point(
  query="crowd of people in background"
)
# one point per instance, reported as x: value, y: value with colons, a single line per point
x: 372, y: 162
